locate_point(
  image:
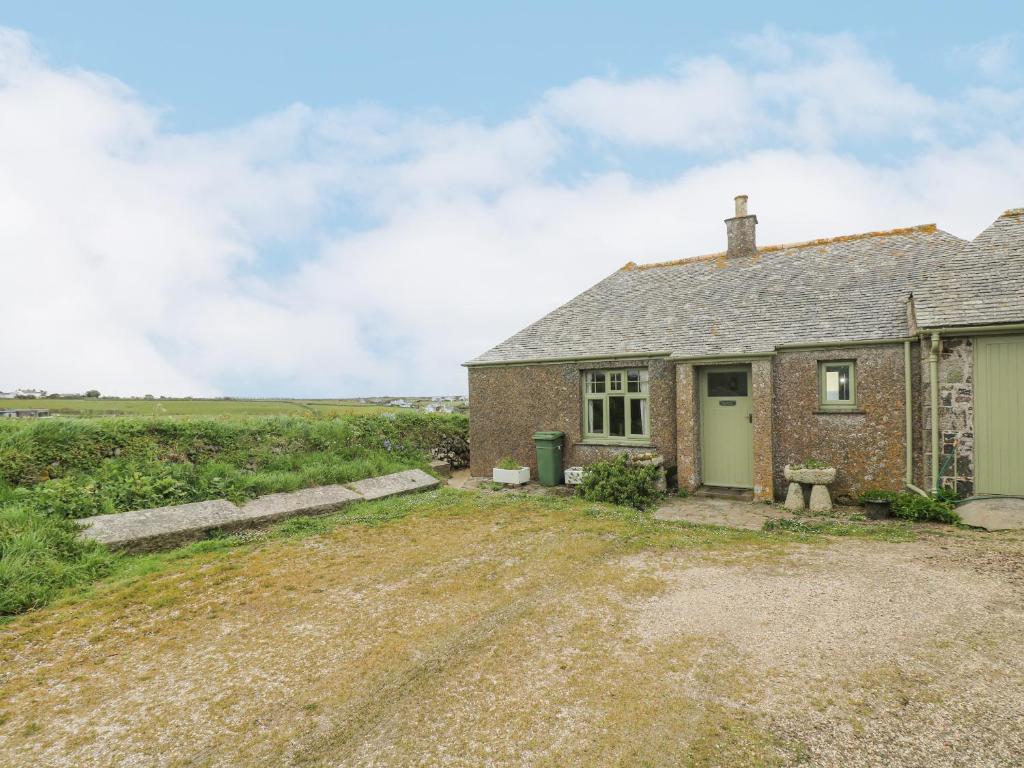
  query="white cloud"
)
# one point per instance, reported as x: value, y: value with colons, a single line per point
x: 706, y: 105
x: 994, y: 58
x: 798, y: 90
x: 136, y: 260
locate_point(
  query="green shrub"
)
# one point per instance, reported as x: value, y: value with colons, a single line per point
x: 508, y: 463
x: 914, y: 506
x: 70, y: 497
x: 42, y: 450
x: 40, y: 555
x: 621, y: 481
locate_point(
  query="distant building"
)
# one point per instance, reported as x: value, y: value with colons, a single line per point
x: 24, y: 413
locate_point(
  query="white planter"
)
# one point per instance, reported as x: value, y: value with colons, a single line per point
x: 814, y: 476
x: 511, y: 476
x: 573, y: 475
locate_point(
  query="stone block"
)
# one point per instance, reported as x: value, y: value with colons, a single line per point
x: 441, y: 468
x: 309, y: 501
x: 794, y: 498
x: 146, y: 530
x: 391, y: 485
x: 820, y: 500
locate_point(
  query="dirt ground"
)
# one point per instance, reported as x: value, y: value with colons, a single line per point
x: 474, y: 630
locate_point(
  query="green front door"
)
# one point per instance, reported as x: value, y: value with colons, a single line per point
x: 999, y: 415
x: 727, y: 432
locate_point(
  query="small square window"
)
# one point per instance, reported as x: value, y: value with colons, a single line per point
x: 615, y: 382
x: 595, y: 382
x: 837, y: 384
x: 636, y: 380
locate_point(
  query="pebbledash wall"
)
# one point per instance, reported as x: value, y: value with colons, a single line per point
x: 867, y: 445
x: 509, y: 403
x: 956, y: 414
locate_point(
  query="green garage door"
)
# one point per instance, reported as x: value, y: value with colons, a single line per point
x: 999, y: 415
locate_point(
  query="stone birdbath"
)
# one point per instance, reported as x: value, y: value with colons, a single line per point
x: 818, y: 478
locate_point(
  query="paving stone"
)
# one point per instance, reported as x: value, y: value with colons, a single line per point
x: 392, y: 485
x: 714, y: 511
x: 993, y: 514
x: 146, y: 530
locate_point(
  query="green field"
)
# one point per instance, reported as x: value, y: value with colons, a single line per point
x: 90, y: 406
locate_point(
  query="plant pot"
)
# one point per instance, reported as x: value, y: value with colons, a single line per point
x: 511, y: 476
x: 653, y: 461
x: 877, y: 509
x: 822, y: 476
x: 573, y: 475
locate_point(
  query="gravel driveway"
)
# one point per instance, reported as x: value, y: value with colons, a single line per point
x: 471, y: 629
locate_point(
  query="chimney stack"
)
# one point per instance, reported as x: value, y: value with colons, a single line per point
x: 740, y: 231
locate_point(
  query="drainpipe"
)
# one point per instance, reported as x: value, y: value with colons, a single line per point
x: 908, y: 399
x: 908, y: 480
x: 933, y: 371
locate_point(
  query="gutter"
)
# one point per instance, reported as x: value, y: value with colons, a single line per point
x: 831, y: 344
x: 736, y: 357
x: 554, y: 360
x: 972, y: 330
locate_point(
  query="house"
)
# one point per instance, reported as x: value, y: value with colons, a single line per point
x: 24, y: 413
x: 733, y: 365
x: 29, y: 394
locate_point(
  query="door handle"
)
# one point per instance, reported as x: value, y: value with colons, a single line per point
x: 750, y: 418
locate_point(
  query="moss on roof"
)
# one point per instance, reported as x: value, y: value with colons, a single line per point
x: 920, y: 228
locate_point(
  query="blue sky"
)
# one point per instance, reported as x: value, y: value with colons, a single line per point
x: 218, y: 64
x: 327, y: 201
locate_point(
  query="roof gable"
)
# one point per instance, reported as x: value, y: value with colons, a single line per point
x: 981, y: 283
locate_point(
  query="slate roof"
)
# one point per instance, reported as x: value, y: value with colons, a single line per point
x: 981, y: 283
x: 847, y: 288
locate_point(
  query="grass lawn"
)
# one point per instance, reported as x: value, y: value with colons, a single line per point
x: 89, y: 406
x: 474, y: 629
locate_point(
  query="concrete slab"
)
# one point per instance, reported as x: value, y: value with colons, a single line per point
x: 717, y: 511
x: 993, y: 514
x: 309, y: 501
x: 146, y: 530
x: 393, y: 485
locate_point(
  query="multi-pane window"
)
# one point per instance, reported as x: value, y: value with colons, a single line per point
x: 615, y: 404
x: 837, y: 384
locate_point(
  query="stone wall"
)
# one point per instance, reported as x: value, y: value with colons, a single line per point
x: 867, y: 446
x: 956, y: 414
x: 507, y: 404
x: 688, y: 426
x: 763, y: 389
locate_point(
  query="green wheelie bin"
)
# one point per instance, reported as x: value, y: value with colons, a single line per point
x: 549, y: 457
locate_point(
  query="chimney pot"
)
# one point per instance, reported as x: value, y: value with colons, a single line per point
x: 741, y: 230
